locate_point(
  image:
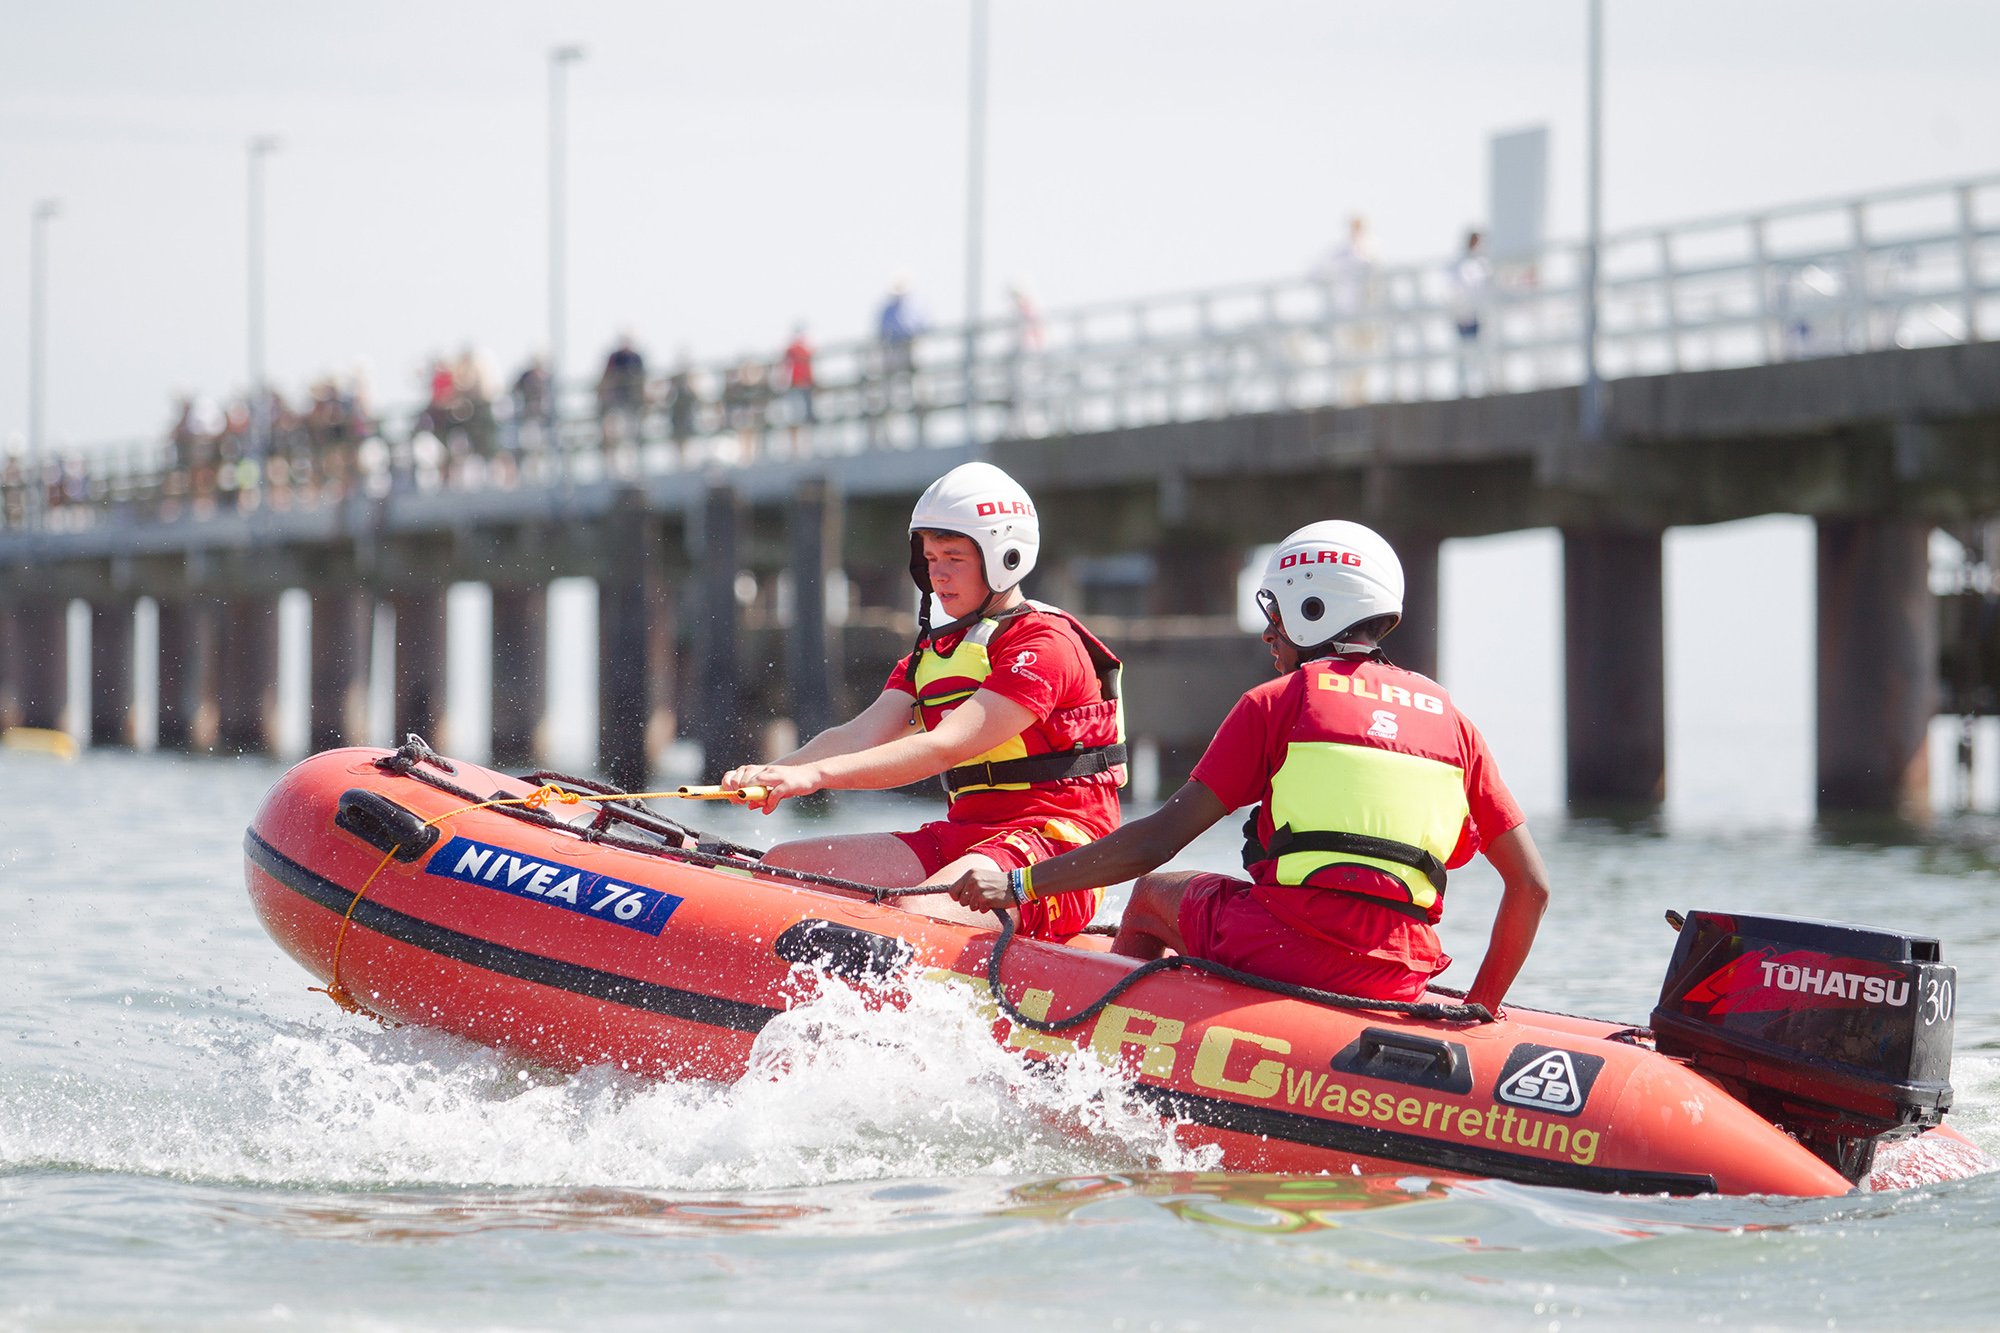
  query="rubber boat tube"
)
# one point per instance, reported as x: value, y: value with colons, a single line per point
x: 544, y: 940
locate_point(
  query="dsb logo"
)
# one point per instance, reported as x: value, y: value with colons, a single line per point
x: 990, y: 508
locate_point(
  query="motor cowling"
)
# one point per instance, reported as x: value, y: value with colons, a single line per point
x: 1839, y: 1034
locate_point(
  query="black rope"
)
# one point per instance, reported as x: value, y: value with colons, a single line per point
x: 413, y: 751
x: 727, y: 856
x: 1449, y: 1013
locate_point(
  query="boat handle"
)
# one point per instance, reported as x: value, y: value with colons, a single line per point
x: 384, y: 825
x: 1442, y: 1055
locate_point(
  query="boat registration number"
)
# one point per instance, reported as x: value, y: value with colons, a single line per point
x: 584, y: 892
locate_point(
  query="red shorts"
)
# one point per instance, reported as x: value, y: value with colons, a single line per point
x: 1010, y: 847
x: 1329, y: 941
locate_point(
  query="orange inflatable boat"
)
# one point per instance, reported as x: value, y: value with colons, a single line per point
x: 1786, y: 1057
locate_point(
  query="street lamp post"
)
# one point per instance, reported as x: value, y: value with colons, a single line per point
x: 1591, y: 425
x: 975, y: 203
x: 260, y: 399
x: 43, y: 212
x: 560, y: 58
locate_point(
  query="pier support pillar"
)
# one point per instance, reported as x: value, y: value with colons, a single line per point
x: 10, y: 671
x: 520, y: 675
x: 343, y: 642
x: 1414, y: 645
x: 634, y: 661
x: 719, y: 722
x: 41, y: 656
x: 247, y: 675
x: 420, y: 664
x: 815, y: 548
x: 187, y: 709
x: 1878, y: 666
x: 111, y: 672
x: 1614, y: 668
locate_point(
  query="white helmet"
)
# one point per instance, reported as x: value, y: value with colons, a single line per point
x: 1327, y: 578
x: 979, y: 501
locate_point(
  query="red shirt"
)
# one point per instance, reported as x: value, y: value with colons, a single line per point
x: 1250, y: 746
x: 1040, y: 663
x: 798, y: 366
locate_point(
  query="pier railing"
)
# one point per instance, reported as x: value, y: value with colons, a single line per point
x: 1902, y: 268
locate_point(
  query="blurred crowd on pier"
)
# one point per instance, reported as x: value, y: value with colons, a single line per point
x: 1346, y: 331
x: 471, y: 425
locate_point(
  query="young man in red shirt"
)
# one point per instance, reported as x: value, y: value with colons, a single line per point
x: 1012, y: 702
x: 1368, y: 785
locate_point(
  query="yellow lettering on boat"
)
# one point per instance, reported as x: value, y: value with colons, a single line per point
x: 1035, y: 1004
x: 1114, y: 1031
x: 1302, y: 1085
x: 1212, y: 1059
x: 1220, y: 1065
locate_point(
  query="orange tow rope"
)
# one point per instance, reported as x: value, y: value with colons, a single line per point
x: 537, y: 799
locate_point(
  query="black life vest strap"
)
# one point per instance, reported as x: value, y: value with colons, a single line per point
x: 1284, y: 841
x: 1077, y: 763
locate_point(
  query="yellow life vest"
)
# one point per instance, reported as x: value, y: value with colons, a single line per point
x: 1096, y: 730
x: 1339, y: 800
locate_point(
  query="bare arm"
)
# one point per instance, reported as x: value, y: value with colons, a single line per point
x: 894, y: 760
x: 974, y: 727
x: 1129, y: 850
x: 1524, y: 897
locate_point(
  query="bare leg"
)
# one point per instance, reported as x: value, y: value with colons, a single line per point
x: 884, y: 860
x: 1152, y: 921
x: 941, y: 906
x: 866, y: 858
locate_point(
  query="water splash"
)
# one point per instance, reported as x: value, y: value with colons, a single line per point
x: 841, y: 1087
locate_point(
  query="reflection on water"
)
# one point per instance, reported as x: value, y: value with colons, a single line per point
x: 1267, y: 1204
x: 428, y: 1217
x: 1262, y: 1204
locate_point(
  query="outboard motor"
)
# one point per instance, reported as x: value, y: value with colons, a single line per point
x: 1840, y: 1035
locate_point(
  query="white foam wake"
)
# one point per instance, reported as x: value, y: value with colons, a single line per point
x: 841, y: 1087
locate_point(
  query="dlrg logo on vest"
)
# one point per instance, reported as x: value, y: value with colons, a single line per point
x: 1390, y: 694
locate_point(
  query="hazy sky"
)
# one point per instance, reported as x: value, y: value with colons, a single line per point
x: 736, y: 167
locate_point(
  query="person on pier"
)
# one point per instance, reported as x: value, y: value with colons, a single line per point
x: 1014, y: 704
x: 1368, y: 784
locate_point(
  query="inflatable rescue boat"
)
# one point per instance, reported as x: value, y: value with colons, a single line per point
x: 573, y: 925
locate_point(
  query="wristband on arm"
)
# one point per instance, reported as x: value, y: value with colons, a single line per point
x: 1019, y: 886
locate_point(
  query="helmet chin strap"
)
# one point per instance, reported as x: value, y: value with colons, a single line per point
x: 920, y: 576
x: 1338, y: 648
x: 926, y: 635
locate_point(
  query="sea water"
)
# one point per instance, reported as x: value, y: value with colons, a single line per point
x: 190, y: 1138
